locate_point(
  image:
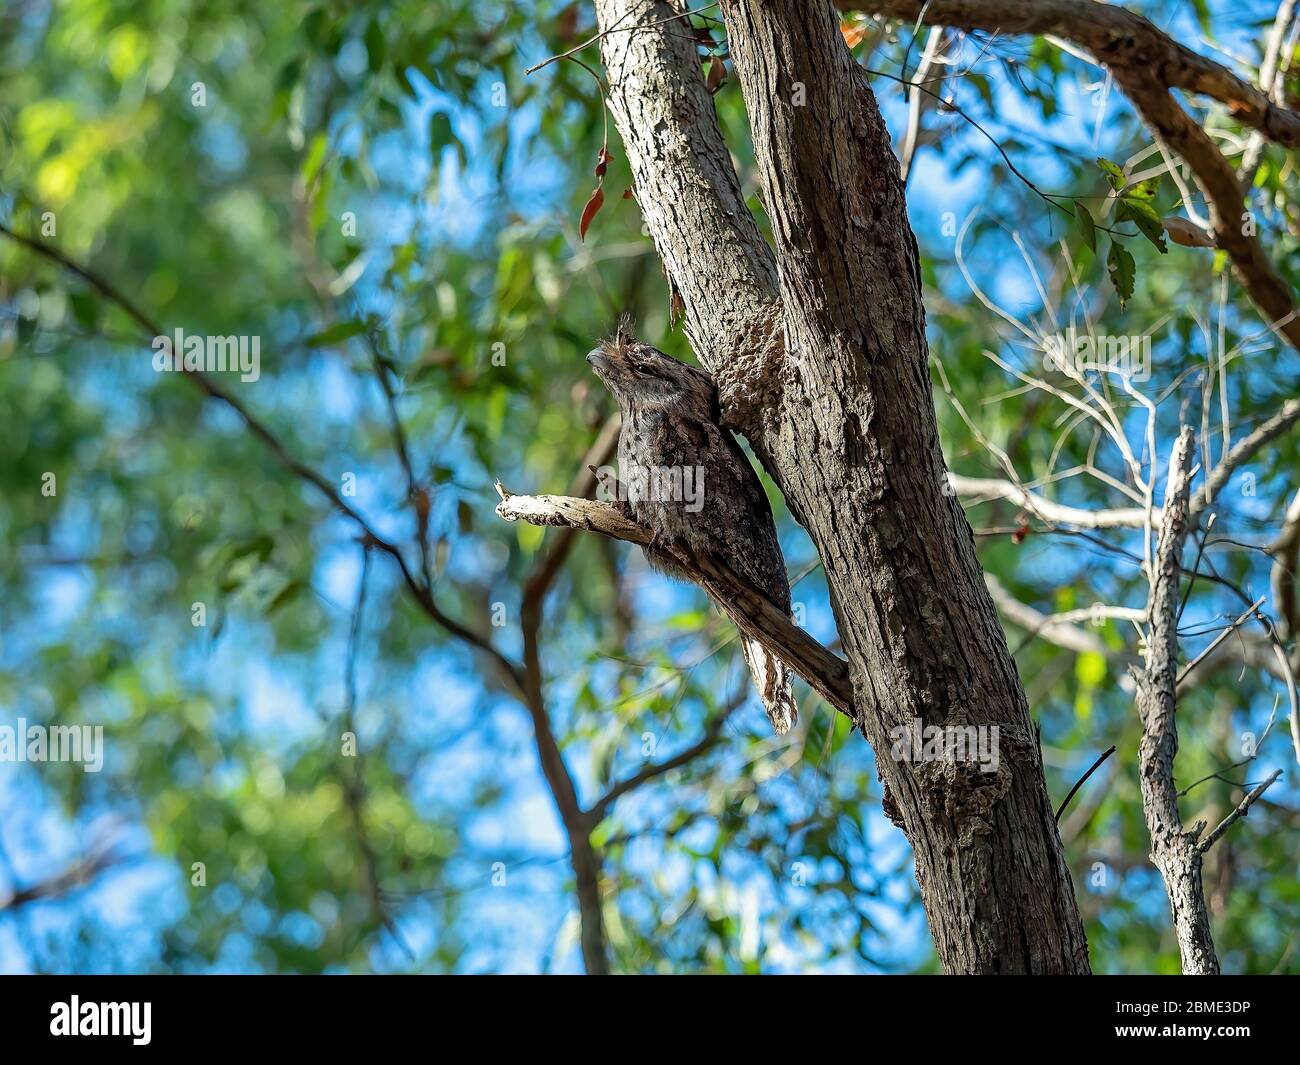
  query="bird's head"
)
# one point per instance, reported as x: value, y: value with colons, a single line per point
x: 642, y: 377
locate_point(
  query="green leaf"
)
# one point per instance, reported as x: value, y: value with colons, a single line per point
x: 289, y: 74
x: 1122, y: 270
x: 1113, y: 171
x: 376, y: 47
x: 1087, y: 227
x: 315, y: 157
x: 283, y: 596
x: 1144, y: 190
x: 1144, y: 216
x: 441, y: 137
x: 1090, y: 668
x: 261, y: 546
x: 1203, y: 20
x: 334, y: 334
x: 85, y: 309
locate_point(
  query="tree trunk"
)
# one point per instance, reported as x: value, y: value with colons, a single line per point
x: 820, y: 355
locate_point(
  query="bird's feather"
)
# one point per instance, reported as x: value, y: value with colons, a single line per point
x: 773, y: 680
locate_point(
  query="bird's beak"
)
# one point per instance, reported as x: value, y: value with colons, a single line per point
x: 597, y: 359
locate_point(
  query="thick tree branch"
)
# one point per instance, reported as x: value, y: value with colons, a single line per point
x: 1286, y: 565
x: 1147, y: 64
x: 1121, y: 39
x: 712, y: 252
x: 1218, y: 641
x: 584, y: 858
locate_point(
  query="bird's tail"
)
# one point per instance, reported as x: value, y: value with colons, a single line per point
x: 773, y: 679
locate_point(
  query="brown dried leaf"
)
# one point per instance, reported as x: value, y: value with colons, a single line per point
x: 589, y: 212
x: 1187, y: 233
x: 566, y: 23
x: 717, y: 75
x: 853, y: 32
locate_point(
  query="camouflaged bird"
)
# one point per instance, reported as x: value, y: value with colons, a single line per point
x: 687, y: 480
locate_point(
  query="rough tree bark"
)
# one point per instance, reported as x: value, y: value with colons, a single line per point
x: 1173, y: 850
x: 820, y: 354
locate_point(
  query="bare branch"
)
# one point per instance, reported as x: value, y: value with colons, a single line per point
x: 1053, y: 513
x: 918, y: 625
x: 416, y: 493
x: 1244, y: 450
x: 577, y: 822
x: 352, y: 784
x: 420, y: 592
x: 712, y: 734
x: 1173, y: 850
x: 1241, y: 810
x: 1223, y: 191
x: 1060, y: 629
x: 1070, y: 637
x: 101, y: 856
x: 1186, y: 671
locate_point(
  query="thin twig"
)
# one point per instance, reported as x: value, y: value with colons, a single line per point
x: 1182, y: 675
x: 1241, y: 810
x: 1080, y: 782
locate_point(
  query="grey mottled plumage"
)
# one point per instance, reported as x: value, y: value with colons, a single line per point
x: 671, y: 422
